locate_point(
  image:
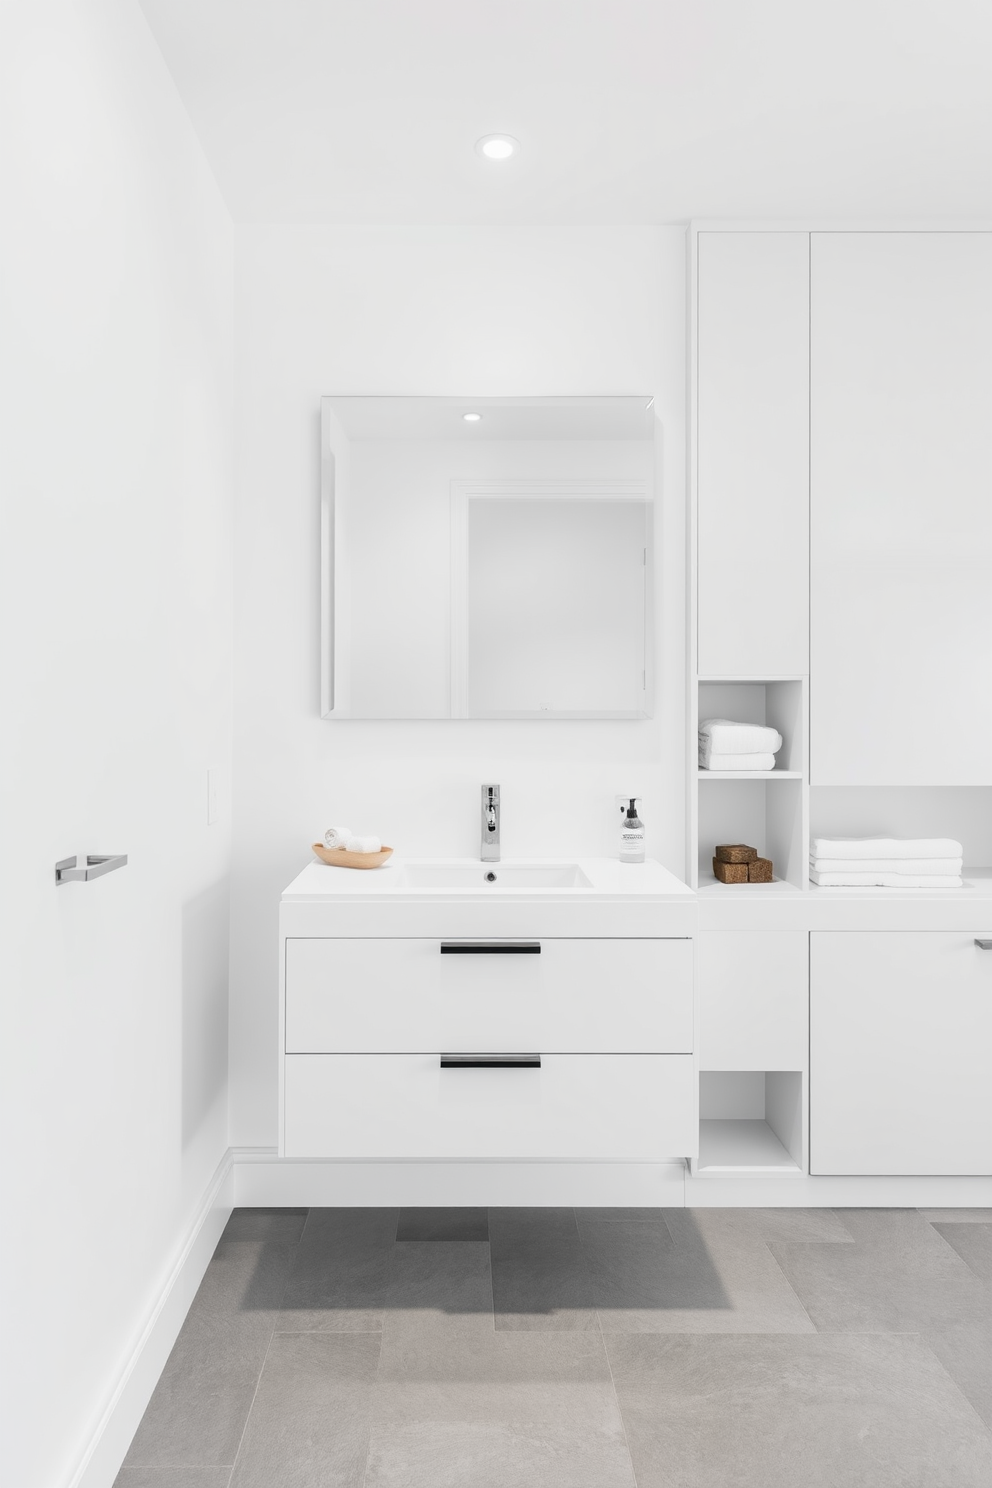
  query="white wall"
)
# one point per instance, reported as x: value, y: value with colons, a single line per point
x: 431, y: 311
x: 115, y: 347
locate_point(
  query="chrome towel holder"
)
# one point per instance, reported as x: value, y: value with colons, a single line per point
x: 97, y: 864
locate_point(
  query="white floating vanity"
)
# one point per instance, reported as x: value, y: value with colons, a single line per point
x: 432, y: 1012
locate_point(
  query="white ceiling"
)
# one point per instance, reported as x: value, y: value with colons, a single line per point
x: 628, y: 111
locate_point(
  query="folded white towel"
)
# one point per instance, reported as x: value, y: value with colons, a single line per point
x: 885, y: 880
x: 363, y: 844
x: 885, y: 847
x: 337, y: 836
x: 738, y: 762
x: 888, y: 865
x: 723, y: 736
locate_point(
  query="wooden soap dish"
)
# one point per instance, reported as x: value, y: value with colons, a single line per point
x: 339, y: 857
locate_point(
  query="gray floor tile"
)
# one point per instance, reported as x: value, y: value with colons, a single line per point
x: 173, y: 1477
x: 338, y: 1280
x: 443, y: 1224
x: 784, y: 1225
x: 973, y: 1243
x: 266, y: 1224
x: 643, y: 1281
x: 957, y: 1216
x: 900, y: 1276
x: 309, y: 1423
x: 964, y: 1348
x: 517, y: 1410
x: 620, y: 1216
x: 814, y: 1412
x: 354, y: 1227
x: 198, y: 1410
x: 548, y: 1219
x: 431, y: 1282
x: 540, y: 1277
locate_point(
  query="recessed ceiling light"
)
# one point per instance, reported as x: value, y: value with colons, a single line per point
x: 497, y: 146
x: 472, y: 418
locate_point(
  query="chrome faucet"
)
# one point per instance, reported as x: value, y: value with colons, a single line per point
x: 490, y: 823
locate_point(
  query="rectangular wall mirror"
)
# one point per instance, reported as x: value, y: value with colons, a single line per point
x: 487, y: 557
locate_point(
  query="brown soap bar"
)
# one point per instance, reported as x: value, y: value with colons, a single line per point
x: 760, y: 871
x: 730, y: 872
x: 736, y: 852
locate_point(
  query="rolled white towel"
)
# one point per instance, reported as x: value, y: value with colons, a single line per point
x: 885, y: 847
x: 723, y: 736
x: 884, y: 880
x: 739, y: 762
x: 888, y: 865
x: 337, y: 836
x: 368, y: 844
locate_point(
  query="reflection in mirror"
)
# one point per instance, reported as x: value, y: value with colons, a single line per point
x: 498, y: 567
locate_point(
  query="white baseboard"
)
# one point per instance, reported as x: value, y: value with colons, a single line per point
x: 723, y: 1190
x: 110, y: 1438
x: 262, y: 1179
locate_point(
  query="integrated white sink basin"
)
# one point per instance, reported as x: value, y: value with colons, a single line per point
x: 493, y: 876
x: 443, y: 897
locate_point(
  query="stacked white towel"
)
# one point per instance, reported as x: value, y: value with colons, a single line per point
x: 725, y: 745
x: 885, y: 862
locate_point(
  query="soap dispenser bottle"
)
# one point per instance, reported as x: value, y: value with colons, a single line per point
x: 631, y: 834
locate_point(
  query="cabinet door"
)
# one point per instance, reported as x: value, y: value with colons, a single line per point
x: 752, y: 431
x: 901, y: 508
x: 753, y: 994
x: 900, y: 1051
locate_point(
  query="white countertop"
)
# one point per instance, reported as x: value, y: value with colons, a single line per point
x: 607, y: 878
x: 620, y: 900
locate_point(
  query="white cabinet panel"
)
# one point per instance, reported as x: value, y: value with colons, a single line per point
x: 753, y: 993
x: 901, y: 508
x: 576, y: 996
x: 633, y: 1108
x: 900, y: 1052
x: 753, y: 453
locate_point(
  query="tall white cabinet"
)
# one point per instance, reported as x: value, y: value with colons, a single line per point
x: 900, y: 508
x: 841, y: 512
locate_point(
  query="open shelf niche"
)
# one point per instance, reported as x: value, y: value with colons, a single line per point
x: 767, y: 809
x: 963, y: 812
x: 751, y: 1121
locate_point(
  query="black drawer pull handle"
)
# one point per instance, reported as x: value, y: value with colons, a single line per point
x: 490, y: 948
x: 983, y: 944
x: 490, y: 1061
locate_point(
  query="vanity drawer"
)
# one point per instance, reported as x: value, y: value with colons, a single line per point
x: 571, y: 997
x: 626, y: 1107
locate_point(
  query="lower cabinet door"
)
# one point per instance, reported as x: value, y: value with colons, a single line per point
x: 627, y: 1107
x: 900, y: 1053
x: 752, y: 988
